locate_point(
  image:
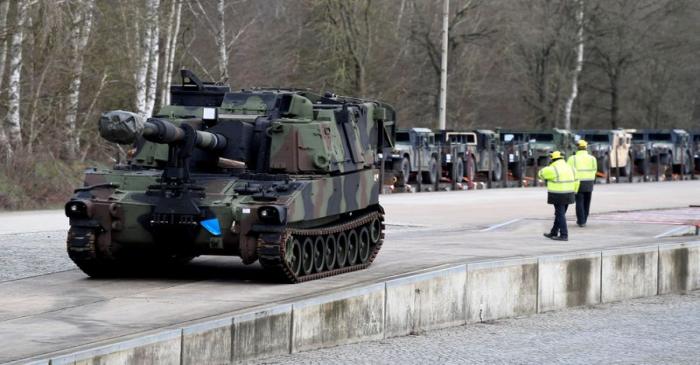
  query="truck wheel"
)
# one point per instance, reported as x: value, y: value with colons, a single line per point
x: 516, y: 169
x: 458, y: 170
x: 430, y: 176
x: 687, y: 162
x: 627, y: 170
x: 405, y: 170
x: 471, y: 168
x: 497, y: 170
x: 605, y: 165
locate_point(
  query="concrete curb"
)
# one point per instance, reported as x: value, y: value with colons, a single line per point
x: 442, y: 297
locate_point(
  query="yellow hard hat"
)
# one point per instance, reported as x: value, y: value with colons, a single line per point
x: 582, y: 143
x: 555, y: 155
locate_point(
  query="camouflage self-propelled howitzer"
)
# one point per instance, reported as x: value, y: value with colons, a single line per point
x: 283, y: 177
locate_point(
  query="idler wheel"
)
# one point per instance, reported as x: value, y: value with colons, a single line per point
x: 353, y: 246
x: 319, y: 254
x: 363, y: 245
x: 342, y: 255
x: 331, y: 252
x: 307, y: 256
x: 292, y: 255
x: 375, y: 230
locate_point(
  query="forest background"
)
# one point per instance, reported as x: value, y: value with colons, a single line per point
x: 512, y: 64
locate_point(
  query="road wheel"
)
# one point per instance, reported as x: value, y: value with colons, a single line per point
x: 364, y: 245
x: 405, y: 170
x: 458, y: 170
x: 342, y: 242
x: 307, y: 256
x: 353, y: 247
x: 319, y: 254
x: 331, y: 248
x: 292, y: 255
x: 497, y: 169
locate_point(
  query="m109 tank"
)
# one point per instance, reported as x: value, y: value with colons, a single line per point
x: 280, y: 176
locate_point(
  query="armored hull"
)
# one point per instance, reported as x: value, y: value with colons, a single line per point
x: 284, y: 178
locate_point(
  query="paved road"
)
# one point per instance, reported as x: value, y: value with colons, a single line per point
x: 656, y: 330
x: 41, y: 314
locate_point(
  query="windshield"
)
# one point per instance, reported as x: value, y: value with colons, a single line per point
x: 637, y: 136
x: 249, y: 101
x: 597, y: 138
x: 542, y: 137
x: 660, y: 136
x: 402, y: 137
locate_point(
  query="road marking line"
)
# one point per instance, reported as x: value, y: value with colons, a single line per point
x: 499, y: 225
x: 672, y: 231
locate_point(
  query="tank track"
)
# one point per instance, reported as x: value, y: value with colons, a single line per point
x: 272, y: 247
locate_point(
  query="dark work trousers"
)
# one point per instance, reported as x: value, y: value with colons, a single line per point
x: 583, y: 206
x: 559, y: 227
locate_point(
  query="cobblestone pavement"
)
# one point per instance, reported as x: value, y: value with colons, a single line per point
x: 30, y: 254
x: 662, y: 329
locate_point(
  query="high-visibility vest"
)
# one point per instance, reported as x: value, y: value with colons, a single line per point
x: 560, y: 177
x: 585, y: 165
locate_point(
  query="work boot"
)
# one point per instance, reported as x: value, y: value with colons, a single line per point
x: 550, y: 235
x: 560, y: 238
x: 581, y: 225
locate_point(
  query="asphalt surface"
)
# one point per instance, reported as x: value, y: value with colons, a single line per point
x: 46, y: 305
x: 655, y: 330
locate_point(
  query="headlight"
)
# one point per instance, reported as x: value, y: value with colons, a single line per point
x: 272, y: 215
x: 77, y: 209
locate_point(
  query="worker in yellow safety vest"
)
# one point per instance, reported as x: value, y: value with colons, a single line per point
x: 586, y: 167
x: 562, y: 186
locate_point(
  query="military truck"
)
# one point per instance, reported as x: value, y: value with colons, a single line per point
x: 414, y: 151
x: 487, y: 154
x: 611, y: 148
x: 667, y: 150
x: 283, y: 177
x: 455, y: 152
x: 542, y: 143
x: 695, y: 144
x: 516, y: 146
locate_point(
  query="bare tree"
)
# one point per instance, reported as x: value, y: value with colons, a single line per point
x: 170, y: 47
x: 13, y: 100
x: 80, y: 34
x: 4, y: 9
x: 153, y: 58
x: 149, y: 41
x: 224, y: 38
x: 577, y: 69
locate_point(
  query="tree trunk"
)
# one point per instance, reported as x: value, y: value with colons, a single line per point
x: 221, y: 43
x: 4, y: 9
x: 142, y: 63
x: 613, y: 100
x: 12, y: 120
x: 170, y: 45
x: 82, y: 25
x: 577, y: 69
x: 153, y: 57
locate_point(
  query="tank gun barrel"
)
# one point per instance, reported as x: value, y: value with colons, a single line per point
x: 126, y: 127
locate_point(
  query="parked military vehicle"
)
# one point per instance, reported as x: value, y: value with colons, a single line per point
x: 455, y: 152
x: 542, y: 143
x: 611, y: 148
x: 516, y: 146
x: 695, y: 145
x: 487, y: 154
x: 667, y: 150
x: 414, y: 151
x: 283, y: 177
